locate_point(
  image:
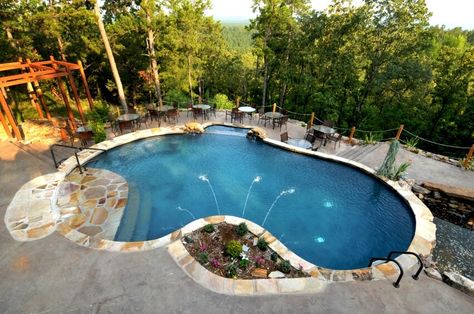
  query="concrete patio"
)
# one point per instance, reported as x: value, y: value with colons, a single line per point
x: 54, y: 275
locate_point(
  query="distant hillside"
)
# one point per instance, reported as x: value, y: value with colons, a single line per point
x: 237, y: 37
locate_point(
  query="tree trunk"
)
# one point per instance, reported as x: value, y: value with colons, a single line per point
x: 154, y: 65
x: 111, y: 58
x: 265, y: 82
x: 189, y: 80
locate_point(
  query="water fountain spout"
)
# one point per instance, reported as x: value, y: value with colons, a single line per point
x: 185, y: 210
x: 204, y: 178
x: 285, y: 192
x: 255, y: 180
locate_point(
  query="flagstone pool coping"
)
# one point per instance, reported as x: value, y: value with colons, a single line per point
x: 423, y: 241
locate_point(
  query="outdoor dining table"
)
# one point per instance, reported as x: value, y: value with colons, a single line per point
x: 128, y: 117
x: 202, y: 106
x: 300, y: 142
x: 248, y: 110
x: 273, y: 115
x: 325, y: 130
x: 85, y: 134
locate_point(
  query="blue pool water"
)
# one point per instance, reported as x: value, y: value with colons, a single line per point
x: 328, y: 213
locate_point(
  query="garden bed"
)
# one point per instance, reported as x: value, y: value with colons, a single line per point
x: 234, y: 252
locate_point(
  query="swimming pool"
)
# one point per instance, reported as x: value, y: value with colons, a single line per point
x: 328, y: 213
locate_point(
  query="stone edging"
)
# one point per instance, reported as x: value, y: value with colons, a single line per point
x: 422, y: 243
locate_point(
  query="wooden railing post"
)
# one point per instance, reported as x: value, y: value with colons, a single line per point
x: 64, y: 96
x: 399, y: 133
x: 10, y: 118
x: 274, y: 107
x: 311, y: 122
x: 238, y: 101
x: 351, y: 136
x: 469, y: 156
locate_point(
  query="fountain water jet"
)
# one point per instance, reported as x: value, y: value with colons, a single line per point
x: 285, y: 192
x: 185, y: 210
x: 256, y: 179
x: 204, y: 177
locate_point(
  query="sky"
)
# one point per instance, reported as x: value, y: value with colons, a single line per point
x: 451, y: 13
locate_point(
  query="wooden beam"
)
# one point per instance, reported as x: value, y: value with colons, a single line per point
x: 86, y: 86
x: 30, y: 79
x: 66, y: 64
x: 10, y: 118
x: 76, y: 96
x: 5, y: 124
x: 10, y: 66
x: 39, y: 93
x: 32, y: 93
x: 65, y: 99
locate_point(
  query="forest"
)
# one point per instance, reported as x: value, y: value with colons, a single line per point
x: 373, y: 66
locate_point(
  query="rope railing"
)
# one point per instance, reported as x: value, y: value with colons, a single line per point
x: 435, y: 143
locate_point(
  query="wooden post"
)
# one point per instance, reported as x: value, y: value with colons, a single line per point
x: 469, y: 156
x: 86, y: 86
x: 10, y: 117
x: 238, y: 101
x: 76, y: 96
x: 39, y: 93
x: 274, y: 107
x: 400, y: 130
x: 65, y: 98
x: 31, y: 92
x: 351, y: 136
x: 311, y: 122
x: 5, y: 124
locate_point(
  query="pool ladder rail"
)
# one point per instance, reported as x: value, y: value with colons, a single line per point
x: 389, y: 258
x: 57, y: 163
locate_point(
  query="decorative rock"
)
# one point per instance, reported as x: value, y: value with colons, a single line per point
x: 463, y: 193
x: 433, y: 273
x: 459, y: 282
x: 76, y: 221
x: 259, y: 273
x: 276, y: 274
x: 193, y: 127
x: 90, y: 230
x: 419, y: 189
x: 257, y: 133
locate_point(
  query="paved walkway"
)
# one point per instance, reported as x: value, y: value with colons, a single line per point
x: 54, y: 275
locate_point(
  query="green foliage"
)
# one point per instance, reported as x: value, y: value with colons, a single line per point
x: 262, y: 244
x: 244, y: 263
x: 241, y: 229
x: 370, y: 139
x: 274, y: 256
x: 284, y: 266
x: 233, y: 248
x: 231, y: 271
x: 209, y: 228
x: 100, y: 113
x: 469, y: 165
x: 412, y: 142
x: 223, y: 102
x: 98, y: 128
x: 203, y: 258
x: 388, y: 169
x: 176, y: 96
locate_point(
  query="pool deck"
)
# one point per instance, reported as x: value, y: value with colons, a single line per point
x: 54, y: 275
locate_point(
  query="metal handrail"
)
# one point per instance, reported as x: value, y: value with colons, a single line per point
x: 56, y: 163
x: 416, y: 275
x: 396, y: 284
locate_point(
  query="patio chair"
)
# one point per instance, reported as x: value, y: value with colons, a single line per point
x: 284, y: 137
x: 212, y: 110
x: 172, y: 116
x: 189, y: 110
x: 280, y: 122
x: 237, y: 116
x: 336, y: 139
x: 310, y: 137
x: 142, y: 120
x: 126, y: 125
x: 154, y: 115
x: 262, y: 117
x: 198, y: 112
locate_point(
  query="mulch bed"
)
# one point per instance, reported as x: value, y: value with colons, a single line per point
x: 213, y: 244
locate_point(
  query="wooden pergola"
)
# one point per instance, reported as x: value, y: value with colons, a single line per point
x: 31, y: 74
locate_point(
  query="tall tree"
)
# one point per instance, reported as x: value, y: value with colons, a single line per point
x: 111, y: 58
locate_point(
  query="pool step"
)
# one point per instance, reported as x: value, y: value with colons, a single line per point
x: 144, y: 216
x: 125, y: 231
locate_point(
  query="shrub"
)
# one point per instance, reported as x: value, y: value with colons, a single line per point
x: 203, y: 258
x: 215, y: 263
x: 188, y: 239
x: 259, y: 261
x: 284, y: 267
x: 98, y: 128
x: 370, y: 139
x: 100, y: 113
x: 242, y: 229
x: 223, y: 102
x: 244, y: 263
x: 231, y: 271
x: 262, y: 244
x: 412, y: 142
x: 388, y: 169
x: 209, y: 228
x: 274, y: 256
x: 233, y: 248
x: 176, y: 95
